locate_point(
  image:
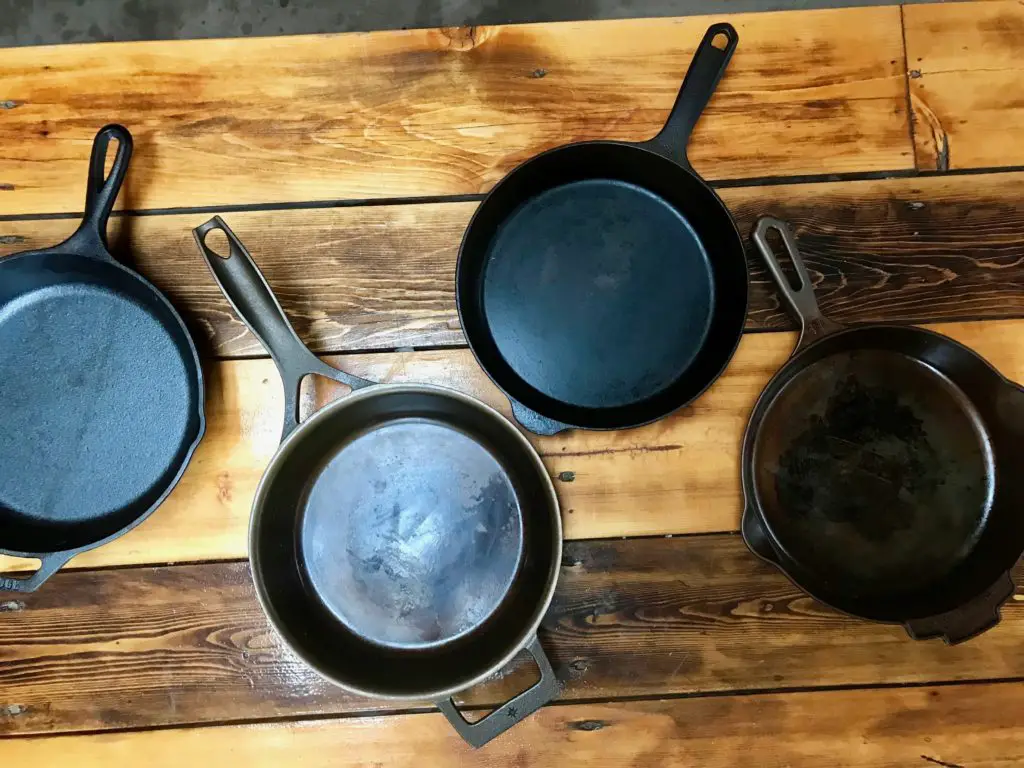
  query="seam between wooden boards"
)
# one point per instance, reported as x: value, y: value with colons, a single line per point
x: 556, y: 703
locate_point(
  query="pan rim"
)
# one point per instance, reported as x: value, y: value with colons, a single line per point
x: 380, y: 390
x: 623, y: 423
x: 198, y: 412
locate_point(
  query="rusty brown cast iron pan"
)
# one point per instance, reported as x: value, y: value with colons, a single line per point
x: 880, y: 469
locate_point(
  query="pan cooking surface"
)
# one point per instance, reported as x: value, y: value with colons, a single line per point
x: 873, y: 469
x: 411, y: 533
x: 598, y: 293
x: 97, y: 403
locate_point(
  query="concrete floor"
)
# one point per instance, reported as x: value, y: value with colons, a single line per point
x: 37, y: 22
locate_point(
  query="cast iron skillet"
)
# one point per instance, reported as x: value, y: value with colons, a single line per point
x: 101, y: 389
x: 405, y: 540
x: 879, y: 470
x: 603, y: 284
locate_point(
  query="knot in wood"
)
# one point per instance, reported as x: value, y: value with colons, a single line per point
x: 464, y: 38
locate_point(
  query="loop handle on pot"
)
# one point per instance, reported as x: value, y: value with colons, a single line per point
x: 101, y: 191
x: 508, y: 714
x: 249, y: 295
x: 706, y: 69
x: 49, y: 565
x: 813, y: 324
x: 968, y: 620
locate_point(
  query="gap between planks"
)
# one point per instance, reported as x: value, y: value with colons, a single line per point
x: 951, y: 726
x: 410, y: 113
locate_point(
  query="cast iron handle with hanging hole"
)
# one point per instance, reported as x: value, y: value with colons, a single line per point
x: 706, y: 69
x: 511, y: 712
x: 90, y: 239
x: 246, y: 289
x: 814, y: 326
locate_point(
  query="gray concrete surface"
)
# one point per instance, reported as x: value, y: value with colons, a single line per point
x: 38, y: 22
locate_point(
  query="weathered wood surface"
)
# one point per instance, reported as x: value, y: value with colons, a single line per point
x: 442, y: 112
x: 150, y: 647
x: 113, y: 657
x: 896, y: 250
x: 966, y: 74
x: 678, y: 475
x: 952, y: 726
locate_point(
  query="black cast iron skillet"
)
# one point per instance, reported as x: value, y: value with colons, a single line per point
x: 603, y: 284
x: 101, y: 389
x: 405, y: 540
x: 880, y: 470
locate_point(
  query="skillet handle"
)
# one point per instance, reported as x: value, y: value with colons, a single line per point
x: 101, y: 191
x: 813, y: 324
x: 511, y: 712
x: 249, y: 295
x: 49, y: 565
x: 968, y: 620
x: 706, y: 69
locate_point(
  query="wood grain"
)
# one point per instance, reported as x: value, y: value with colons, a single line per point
x: 150, y: 647
x: 955, y: 727
x: 383, y: 277
x: 441, y: 112
x: 966, y: 83
x: 625, y: 483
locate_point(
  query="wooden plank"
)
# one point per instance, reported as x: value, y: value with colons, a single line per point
x: 441, y: 112
x: 625, y: 483
x: 150, y: 647
x: 896, y: 250
x: 967, y: 725
x: 966, y: 83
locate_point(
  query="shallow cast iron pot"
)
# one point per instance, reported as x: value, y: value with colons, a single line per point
x: 879, y: 469
x: 405, y: 540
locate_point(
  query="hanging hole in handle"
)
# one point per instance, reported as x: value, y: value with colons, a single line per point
x: 720, y: 41
x: 520, y: 674
x: 110, y: 155
x: 216, y: 241
x: 781, y: 253
x: 18, y: 565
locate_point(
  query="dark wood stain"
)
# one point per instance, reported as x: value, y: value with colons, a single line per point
x: 381, y: 277
x: 145, y: 647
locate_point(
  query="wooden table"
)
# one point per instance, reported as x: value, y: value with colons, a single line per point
x: 892, y: 138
